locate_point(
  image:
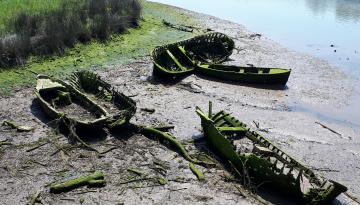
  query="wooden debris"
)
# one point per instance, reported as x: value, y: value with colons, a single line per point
x: 162, y: 181
x: 135, y: 171
x: 352, y: 197
x: 178, y: 27
x: 200, y: 176
x: 19, y: 128
x: 37, y: 146
x: 173, y: 142
x: 326, y: 127
x: 95, y: 179
x: 149, y: 110
x: 35, y: 199
x: 165, y: 128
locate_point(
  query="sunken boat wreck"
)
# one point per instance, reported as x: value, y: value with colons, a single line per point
x: 262, y: 162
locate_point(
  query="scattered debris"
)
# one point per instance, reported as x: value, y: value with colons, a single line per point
x: 178, y: 27
x: 19, y: 128
x: 172, y: 141
x: 162, y: 181
x: 95, y: 179
x: 149, y: 110
x: 326, y: 127
x: 135, y: 171
x: 165, y: 128
x: 200, y: 176
x: 352, y: 197
x: 37, y: 146
x: 35, y: 199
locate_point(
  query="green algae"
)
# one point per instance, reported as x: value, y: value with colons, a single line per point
x: 118, y: 50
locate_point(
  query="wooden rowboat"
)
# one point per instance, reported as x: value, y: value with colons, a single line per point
x: 179, y: 59
x: 119, y: 107
x: 263, y: 163
x: 63, y: 102
x: 243, y: 74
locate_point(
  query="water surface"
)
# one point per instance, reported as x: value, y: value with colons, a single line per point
x: 329, y: 29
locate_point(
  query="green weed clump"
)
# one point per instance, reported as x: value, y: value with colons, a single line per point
x: 51, y: 31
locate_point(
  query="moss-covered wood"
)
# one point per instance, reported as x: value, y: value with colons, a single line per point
x: 260, y: 162
x: 94, y: 179
x: 180, y: 58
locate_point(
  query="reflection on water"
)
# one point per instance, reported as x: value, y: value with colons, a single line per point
x: 345, y: 10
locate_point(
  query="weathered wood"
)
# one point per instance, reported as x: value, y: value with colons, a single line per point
x: 199, y: 175
x: 95, y: 178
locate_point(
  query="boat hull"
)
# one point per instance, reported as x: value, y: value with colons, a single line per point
x: 178, y: 59
x: 80, y: 125
x: 230, y: 73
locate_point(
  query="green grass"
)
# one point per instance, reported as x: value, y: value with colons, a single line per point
x: 120, y: 49
x: 10, y: 8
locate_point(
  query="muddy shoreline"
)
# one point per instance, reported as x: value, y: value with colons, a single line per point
x: 312, y: 81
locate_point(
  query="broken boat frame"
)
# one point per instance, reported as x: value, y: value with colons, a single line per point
x: 52, y: 92
x: 122, y: 108
x: 265, y: 163
x: 180, y: 58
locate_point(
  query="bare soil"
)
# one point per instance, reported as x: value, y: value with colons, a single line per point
x: 24, y: 171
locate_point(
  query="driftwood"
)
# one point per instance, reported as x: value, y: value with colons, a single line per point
x: 95, y: 179
x: 35, y: 199
x: 19, y: 128
x: 200, y: 176
x: 172, y: 141
x: 178, y: 27
x: 328, y: 128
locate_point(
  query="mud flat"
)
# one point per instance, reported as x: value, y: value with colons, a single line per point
x: 312, y: 81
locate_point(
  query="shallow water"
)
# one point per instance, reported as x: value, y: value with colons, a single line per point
x: 328, y: 29
x: 316, y: 27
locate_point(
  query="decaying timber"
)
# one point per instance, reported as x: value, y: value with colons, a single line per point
x: 61, y: 101
x: 119, y: 106
x: 247, y: 74
x: 179, y: 59
x: 261, y: 162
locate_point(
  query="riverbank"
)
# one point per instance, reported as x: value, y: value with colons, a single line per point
x: 312, y: 81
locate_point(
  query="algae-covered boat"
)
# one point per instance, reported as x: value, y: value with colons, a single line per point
x: 179, y: 59
x: 60, y: 100
x: 263, y: 163
x: 244, y: 74
x: 119, y: 107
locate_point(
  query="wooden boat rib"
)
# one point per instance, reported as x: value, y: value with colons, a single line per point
x: 120, y: 108
x: 60, y: 100
x: 244, y: 74
x: 179, y: 59
x: 262, y: 161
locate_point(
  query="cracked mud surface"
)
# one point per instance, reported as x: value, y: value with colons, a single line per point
x: 313, y: 81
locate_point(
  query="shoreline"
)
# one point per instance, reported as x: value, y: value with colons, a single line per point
x: 296, y: 133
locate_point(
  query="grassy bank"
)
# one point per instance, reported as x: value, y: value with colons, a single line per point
x: 119, y: 49
x: 35, y: 30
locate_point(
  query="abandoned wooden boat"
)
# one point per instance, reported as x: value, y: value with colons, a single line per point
x: 260, y: 162
x: 179, y: 59
x: 119, y: 107
x: 247, y: 74
x: 61, y: 101
x: 170, y: 61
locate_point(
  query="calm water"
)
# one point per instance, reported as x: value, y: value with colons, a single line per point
x: 310, y: 26
x: 316, y: 27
